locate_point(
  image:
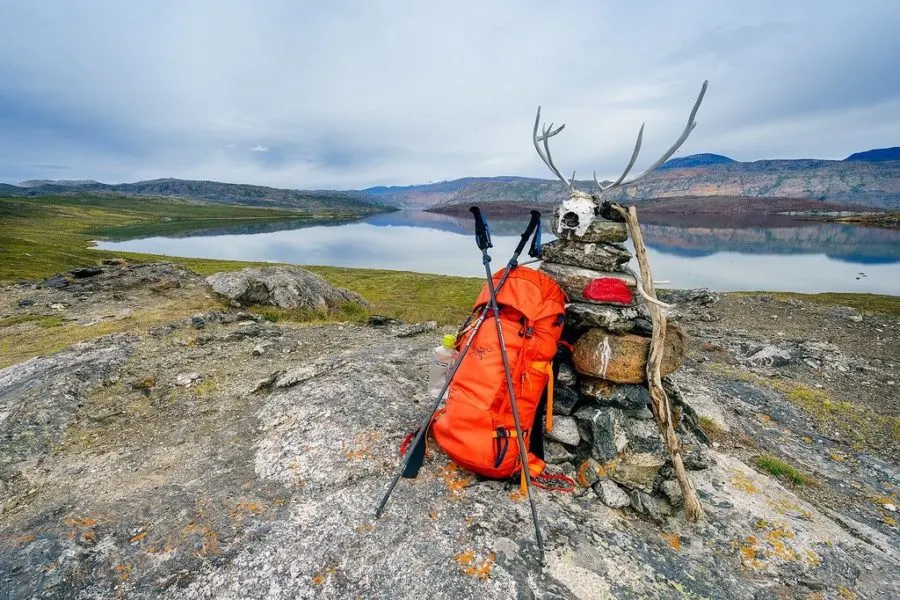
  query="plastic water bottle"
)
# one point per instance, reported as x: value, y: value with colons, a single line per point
x: 441, y: 362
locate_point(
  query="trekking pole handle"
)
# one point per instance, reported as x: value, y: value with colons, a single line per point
x: 482, y: 231
x: 533, y: 224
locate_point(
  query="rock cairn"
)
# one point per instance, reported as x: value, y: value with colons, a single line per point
x: 604, y: 433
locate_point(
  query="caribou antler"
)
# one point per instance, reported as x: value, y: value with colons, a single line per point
x: 547, y: 133
x: 620, y: 182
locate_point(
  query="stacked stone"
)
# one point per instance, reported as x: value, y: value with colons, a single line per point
x: 604, y: 432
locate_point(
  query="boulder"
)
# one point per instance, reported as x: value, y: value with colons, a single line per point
x: 556, y: 454
x: 587, y: 314
x: 565, y: 400
x: 623, y: 358
x: 652, y: 507
x: 611, y: 494
x: 599, y: 257
x: 644, y: 438
x: 588, y: 473
x: 600, y: 230
x: 565, y: 431
x: 85, y: 272
x: 283, y: 286
x: 606, y: 393
x: 578, y: 282
x: 635, y: 476
x: 602, y: 428
x: 566, y: 375
x: 672, y: 491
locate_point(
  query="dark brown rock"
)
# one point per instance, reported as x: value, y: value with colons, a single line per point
x: 623, y: 358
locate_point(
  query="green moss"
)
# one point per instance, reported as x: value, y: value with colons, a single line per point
x: 862, y: 427
x: 45, y: 321
x: 782, y: 470
x: 43, y: 236
x: 708, y: 424
x: 347, y: 312
x: 205, y: 387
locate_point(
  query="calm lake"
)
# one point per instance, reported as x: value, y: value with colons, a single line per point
x: 763, y: 253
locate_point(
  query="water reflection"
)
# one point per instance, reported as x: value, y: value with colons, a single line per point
x: 774, y: 255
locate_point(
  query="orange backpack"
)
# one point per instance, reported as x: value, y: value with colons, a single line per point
x: 476, y: 427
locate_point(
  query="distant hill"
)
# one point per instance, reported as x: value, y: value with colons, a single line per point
x: 850, y: 184
x: 853, y: 184
x: 864, y: 180
x: 696, y: 160
x: 209, y: 191
x: 63, y: 182
x: 878, y: 155
x: 467, y: 189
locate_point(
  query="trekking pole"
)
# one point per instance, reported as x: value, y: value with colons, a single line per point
x: 417, y: 448
x: 483, y: 238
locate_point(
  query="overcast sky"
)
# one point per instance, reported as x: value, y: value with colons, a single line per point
x: 354, y: 94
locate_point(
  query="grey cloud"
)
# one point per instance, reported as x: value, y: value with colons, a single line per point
x: 366, y: 93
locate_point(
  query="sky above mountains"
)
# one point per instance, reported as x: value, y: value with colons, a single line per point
x: 355, y: 94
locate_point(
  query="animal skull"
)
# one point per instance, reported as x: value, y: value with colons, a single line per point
x: 580, y: 209
x: 575, y: 215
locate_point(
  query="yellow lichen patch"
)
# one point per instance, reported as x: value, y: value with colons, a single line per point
x: 775, y: 539
x: 581, y: 473
x: 455, y: 481
x: 248, y: 506
x: 888, y: 520
x: 209, y: 539
x: 742, y: 481
x: 771, y: 543
x: 362, y: 444
x: 892, y: 499
x: 139, y: 536
x: 846, y: 593
x: 813, y: 559
x: 123, y: 570
x: 674, y: 540
x: 474, y: 565
x: 82, y: 529
x: 790, y: 508
x: 749, y: 550
x: 322, y: 576
x: 17, y: 541
x: 517, y: 495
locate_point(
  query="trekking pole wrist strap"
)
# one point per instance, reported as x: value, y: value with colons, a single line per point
x: 533, y: 226
x: 482, y: 231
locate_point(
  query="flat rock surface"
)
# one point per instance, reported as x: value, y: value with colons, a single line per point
x: 283, y: 286
x: 148, y: 489
x: 596, y: 256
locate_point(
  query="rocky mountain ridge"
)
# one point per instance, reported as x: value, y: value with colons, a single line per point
x: 863, y: 181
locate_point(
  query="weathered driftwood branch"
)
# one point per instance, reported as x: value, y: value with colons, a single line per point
x: 659, y: 400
